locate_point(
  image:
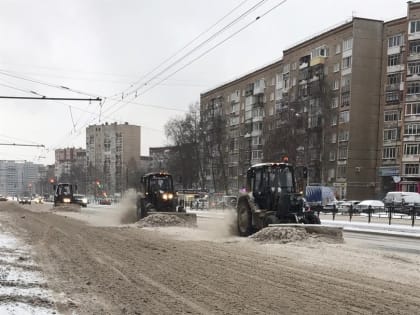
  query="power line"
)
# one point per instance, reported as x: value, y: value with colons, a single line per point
x: 230, y: 24
x: 44, y: 98
x: 208, y: 50
x: 24, y: 145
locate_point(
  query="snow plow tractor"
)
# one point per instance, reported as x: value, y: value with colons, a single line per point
x: 157, y: 195
x: 271, y: 199
x: 64, y: 195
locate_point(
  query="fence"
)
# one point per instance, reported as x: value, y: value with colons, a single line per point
x: 391, y: 213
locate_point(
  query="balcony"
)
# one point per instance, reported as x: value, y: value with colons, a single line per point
x: 317, y: 61
x: 396, y: 68
x: 413, y: 56
x: 395, y: 87
x: 346, y: 71
x: 394, y: 50
x: 410, y: 158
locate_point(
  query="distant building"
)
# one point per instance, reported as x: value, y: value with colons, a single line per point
x: 112, y: 150
x: 67, y: 159
x: 19, y: 177
x: 159, y: 158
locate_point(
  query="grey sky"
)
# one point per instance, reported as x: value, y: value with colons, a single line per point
x: 102, y: 47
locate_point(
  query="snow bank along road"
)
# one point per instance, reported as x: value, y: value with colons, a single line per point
x: 124, y: 269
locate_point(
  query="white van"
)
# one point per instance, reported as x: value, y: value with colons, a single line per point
x: 410, y: 198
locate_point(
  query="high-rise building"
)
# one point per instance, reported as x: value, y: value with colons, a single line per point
x: 19, y: 178
x: 112, y: 150
x: 68, y: 159
x: 342, y: 105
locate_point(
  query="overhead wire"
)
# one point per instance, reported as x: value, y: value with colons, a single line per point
x: 207, y: 51
x: 126, y: 93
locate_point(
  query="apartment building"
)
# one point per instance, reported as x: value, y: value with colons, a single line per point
x: 319, y: 105
x: 399, y: 139
x: 19, y: 178
x: 69, y: 159
x: 112, y: 151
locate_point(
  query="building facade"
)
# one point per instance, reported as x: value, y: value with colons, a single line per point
x: 399, y: 140
x: 67, y: 159
x: 112, y: 151
x: 342, y: 106
x: 18, y: 178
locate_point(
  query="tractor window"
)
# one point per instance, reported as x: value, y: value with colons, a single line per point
x: 257, y: 181
x: 286, y: 179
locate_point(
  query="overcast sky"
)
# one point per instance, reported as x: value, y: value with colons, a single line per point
x: 101, y: 48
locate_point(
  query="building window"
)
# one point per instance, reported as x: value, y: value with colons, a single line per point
x: 413, y: 88
x: 332, y: 155
x: 412, y: 129
x: 256, y: 154
x: 336, y: 67
x: 389, y: 153
x: 346, y: 62
x: 333, y: 137
x: 256, y: 141
x: 107, y: 144
x: 411, y: 169
x: 393, y: 97
x: 344, y: 117
x: 396, y: 40
x: 272, y: 96
x: 414, y: 46
x: 414, y: 67
x: 414, y: 27
x: 342, y: 153
x: 394, y: 78
x: 319, y: 52
x: 394, y: 60
x: 390, y: 134
x: 343, y: 135
x: 347, y: 44
x: 294, y: 66
x: 336, y: 85
x: 334, y: 102
x: 345, y: 99
x: 411, y: 149
x: 338, y: 49
x: 412, y: 109
x: 391, y: 115
x: 341, y: 171
x: 333, y: 120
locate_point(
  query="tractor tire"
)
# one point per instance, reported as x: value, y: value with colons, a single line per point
x: 244, y: 220
x: 141, y: 210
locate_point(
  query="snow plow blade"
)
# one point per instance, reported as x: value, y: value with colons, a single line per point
x: 335, y: 232
x: 75, y: 207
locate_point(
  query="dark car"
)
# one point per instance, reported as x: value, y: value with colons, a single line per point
x: 80, y: 199
x: 105, y: 201
x: 3, y: 198
x: 25, y: 201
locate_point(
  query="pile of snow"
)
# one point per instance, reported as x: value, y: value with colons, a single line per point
x: 288, y: 234
x: 164, y: 219
x: 281, y: 234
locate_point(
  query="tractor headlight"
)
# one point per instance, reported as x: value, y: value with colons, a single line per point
x: 167, y: 196
x: 84, y: 200
x: 66, y: 200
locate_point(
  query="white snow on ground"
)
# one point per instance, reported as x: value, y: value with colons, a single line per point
x: 22, y: 288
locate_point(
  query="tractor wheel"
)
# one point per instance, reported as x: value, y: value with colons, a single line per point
x: 141, y: 210
x: 244, y: 219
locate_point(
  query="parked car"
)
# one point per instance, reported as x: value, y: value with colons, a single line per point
x: 3, y: 198
x: 330, y: 206
x: 374, y: 205
x: 80, y: 199
x: 38, y: 200
x: 345, y: 206
x: 396, y: 198
x: 25, y: 201
x: 105, y: 201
